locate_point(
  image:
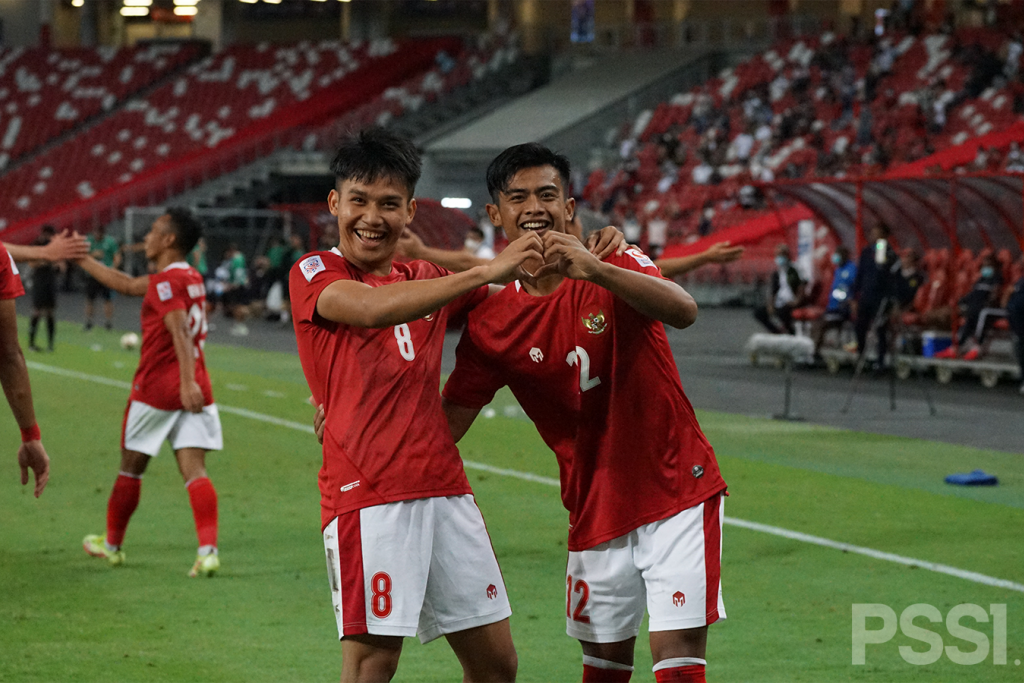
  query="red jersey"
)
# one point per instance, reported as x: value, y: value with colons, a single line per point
x: 599, y: 381
x: 10, y: 282
x: 157, y: 382
x: 386, y: 437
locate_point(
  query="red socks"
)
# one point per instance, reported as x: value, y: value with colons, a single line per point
x: 681, y: 670
x: 203, y: 498
x: 123, y: 501
x: 603, y: 671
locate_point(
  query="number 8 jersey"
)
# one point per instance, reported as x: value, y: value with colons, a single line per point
x: 157, y: 382
x: 386, y: 437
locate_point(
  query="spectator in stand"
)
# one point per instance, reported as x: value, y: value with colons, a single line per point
x: 785, y: 293
x: 837, y: 311
x: 984, y: 295
x: 1015, y: 159
x: 107, y: 251
x: 236, y: 290
x: 1014, y: 49
x: 44, y: 292
x: 872, y: 290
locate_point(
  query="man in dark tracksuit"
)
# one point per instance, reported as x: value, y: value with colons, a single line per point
x: 872, y: 287
x: 1015, y: 313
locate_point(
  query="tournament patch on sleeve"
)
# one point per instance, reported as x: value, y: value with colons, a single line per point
x: 311, y: 266
x: 163, y: 291
x: 640, y: 257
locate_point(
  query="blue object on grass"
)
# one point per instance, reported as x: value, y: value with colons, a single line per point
x: 975, y: 478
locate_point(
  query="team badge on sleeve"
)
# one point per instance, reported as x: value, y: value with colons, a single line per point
x: 163, y: 290
x: 640, y: 257
x: 311, y: 266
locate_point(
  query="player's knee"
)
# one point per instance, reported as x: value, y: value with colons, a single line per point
x: 506, y: 667
x: 378, y: 667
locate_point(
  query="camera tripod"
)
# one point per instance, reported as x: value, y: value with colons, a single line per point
x: 878, y: 324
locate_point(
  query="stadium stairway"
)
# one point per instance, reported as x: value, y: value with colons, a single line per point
x: 579, y: 108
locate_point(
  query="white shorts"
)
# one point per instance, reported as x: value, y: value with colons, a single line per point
x: 673, y: 565
x: 415, y: 567
x: 146, y: 428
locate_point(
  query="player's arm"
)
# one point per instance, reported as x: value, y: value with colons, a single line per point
x: 656, y: 298
x: 358, y: 304
x: 117, y: 280
x: 184, y: 348
x: 460, y: 418
x: 63, y: 246
x: 18, y: 390
x: 458, y: 260
x: 716, y: 253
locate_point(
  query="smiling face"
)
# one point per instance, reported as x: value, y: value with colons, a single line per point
x: 371, y: 218
x: 534, y: 200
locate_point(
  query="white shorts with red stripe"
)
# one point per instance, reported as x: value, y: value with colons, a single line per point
x: 673, y: 565
x: 415, y: 567
x: 146, y: 428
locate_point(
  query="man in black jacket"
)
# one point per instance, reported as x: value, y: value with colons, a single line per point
x: 872, y: 288
x: 786, y: 292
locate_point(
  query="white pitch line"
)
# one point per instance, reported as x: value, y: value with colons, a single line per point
x: 974, y: 577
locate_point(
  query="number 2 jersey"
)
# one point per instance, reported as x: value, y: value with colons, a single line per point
x: 598, y: 380
x: 157, y: 382
x: 386, y: 437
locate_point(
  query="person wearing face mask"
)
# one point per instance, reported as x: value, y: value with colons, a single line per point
x: 984, y: 296
x: 872, y: 288
x: 837, y: 311
x: 785, y: 292
x: 476, y: 244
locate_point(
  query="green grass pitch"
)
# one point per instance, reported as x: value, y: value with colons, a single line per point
x: 266, y: 617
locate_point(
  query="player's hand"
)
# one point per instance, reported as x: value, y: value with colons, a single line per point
x: 191, y: 397
x: 518, y: 261
x: 319, y: 419
x: 410, y: 245
x: 606, y: 241
x: 722, y: 253
x: 66, y: 246
x: 33, y: 456
x: 566, y: 255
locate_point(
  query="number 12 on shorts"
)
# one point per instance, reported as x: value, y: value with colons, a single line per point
x: 580, y: 587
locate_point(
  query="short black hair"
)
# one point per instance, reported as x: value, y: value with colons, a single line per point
x: 375, y: 153
x: 187, y: 230
x: 515, y: 159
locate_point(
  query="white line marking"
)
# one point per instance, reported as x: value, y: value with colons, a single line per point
x: 549, y: 481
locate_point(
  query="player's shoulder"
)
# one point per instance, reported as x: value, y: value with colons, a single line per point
x: 312, y: 264
x: 631, y: 258
x: 419, y: 269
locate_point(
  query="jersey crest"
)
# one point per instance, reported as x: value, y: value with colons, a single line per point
x: 594, y: 321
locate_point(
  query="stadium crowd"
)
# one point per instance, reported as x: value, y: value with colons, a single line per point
x: 828, y: 107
